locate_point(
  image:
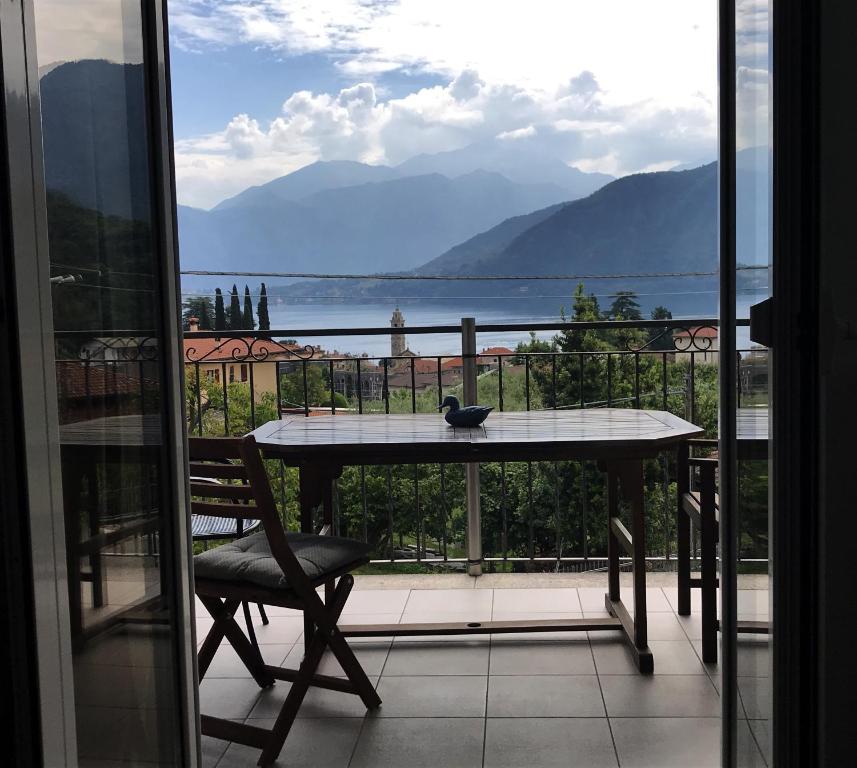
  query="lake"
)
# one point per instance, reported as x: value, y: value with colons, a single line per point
x: 369, y: 315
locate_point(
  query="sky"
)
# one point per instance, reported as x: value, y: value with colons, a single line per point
x: 263, y: 87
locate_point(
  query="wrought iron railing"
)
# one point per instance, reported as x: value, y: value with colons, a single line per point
x: 534, y: 515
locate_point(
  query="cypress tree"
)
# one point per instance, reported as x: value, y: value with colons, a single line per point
x: 219, y: 311
x: 262, y: 310
x: 247, y: 320
x: 234, y: 320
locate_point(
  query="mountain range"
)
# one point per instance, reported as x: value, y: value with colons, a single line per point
x: 377, y: 226
x: 498, y: 207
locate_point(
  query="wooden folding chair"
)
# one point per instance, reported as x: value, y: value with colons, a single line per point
x: 270, y: 568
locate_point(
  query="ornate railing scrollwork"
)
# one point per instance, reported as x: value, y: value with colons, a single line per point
x: 125, y: 349
x: 242, y: 349
x: 691, y: 338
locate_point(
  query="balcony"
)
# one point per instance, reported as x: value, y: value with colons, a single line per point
x: 525, y: 700
x: 490, y: 700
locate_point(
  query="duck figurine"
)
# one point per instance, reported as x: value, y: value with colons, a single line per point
x: 456, y: 416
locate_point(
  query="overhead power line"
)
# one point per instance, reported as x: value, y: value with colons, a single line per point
x: 453, y: 278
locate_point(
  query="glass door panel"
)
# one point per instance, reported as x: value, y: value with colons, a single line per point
x: 107, y: 271
x: 753, y: 225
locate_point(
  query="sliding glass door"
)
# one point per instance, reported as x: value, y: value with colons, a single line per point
x: 745, y: 384
x: 99, y: 148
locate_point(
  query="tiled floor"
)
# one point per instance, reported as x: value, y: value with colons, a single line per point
x: 498, y: 701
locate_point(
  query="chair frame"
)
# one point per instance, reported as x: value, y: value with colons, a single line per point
x: 699, y: 507
x: 254, y: 500
x: 702, y: 507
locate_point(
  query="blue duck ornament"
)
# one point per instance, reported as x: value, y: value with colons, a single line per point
x: 470, y: 416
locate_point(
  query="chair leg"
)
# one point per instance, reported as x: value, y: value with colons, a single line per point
x: 248, y: 620
x: 262, y: 613
x: 708, y: 546
x: 223, y: 612
x: 324, y: 637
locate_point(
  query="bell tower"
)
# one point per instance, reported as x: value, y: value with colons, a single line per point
x: 398, y: 343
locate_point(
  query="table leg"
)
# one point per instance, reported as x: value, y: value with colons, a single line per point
x: 628, y: 475
x: 316, y: 487
x: 311, y: 494
x: 613, y: 585
x: 683, y: 530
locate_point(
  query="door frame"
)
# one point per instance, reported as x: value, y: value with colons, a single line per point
x: 22, y: 195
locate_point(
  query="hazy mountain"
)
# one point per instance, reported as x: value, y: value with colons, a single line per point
x: 93, y: 131
x: 485, y: 245
x: 650, y: 222
x: 309, y: 180
x: 520, y: 164
x: 646, y: 223
x: 386, y: 226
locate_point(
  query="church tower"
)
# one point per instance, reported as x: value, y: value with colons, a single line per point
x: 398, y: 343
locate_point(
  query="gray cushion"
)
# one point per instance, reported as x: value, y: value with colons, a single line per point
x: 250, y: 559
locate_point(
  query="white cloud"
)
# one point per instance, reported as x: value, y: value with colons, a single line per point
x: 618, y: 87
x: 518, y: 133
x: 357, y: 124
x: 639, y: 50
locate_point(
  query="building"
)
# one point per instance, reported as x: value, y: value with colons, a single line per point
x: 398, y: 341
x: 238, y: 360
x: 701, y: 341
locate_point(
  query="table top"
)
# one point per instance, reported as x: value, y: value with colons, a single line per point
x: 514, y: 436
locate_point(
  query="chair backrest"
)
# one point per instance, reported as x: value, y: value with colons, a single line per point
x: 243, y: 491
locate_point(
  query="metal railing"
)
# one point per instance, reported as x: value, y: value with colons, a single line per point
x: 534, y: 515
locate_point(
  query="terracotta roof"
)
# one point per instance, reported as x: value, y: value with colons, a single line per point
x: 455, y: 362
x: 497, y: 351
x: 80, y: 380
x: 225, y: 350
x: 704, y: 332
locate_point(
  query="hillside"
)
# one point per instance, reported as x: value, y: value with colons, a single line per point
x: 93, y: 132
x: 382, y: 226
x: 652, y: 222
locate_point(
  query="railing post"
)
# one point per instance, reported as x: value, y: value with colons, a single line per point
x: 471, y: 470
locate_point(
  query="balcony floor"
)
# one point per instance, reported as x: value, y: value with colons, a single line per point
x: 513, y: 700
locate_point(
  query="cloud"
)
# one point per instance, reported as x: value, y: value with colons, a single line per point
x: 615, y: 86
x: 579, y: 126
x: 639, y: 51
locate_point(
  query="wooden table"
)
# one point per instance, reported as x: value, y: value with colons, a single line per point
x: 619, y: 439
x: 85, y: 445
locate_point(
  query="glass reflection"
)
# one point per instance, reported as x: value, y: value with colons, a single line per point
x: 753, y: 255
x: 106, y: 309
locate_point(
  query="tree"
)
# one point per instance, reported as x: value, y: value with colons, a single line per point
x: 219, y: 312
x: 247, y: 319
x: 624, y: 307
x: 661, y: 339
x: 262, y: 310
x: 234, y: 319
x: 202, y: 309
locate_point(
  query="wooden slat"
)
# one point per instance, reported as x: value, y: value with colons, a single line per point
x: 215, y: 509
x: 622, y: 535
x: 643, y: 656
x: 240, y: 733
x: 218, y: 471
x: 479, y: 627
x: 221, y: 491
x: 214, y: 448
x: 341, y: 684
